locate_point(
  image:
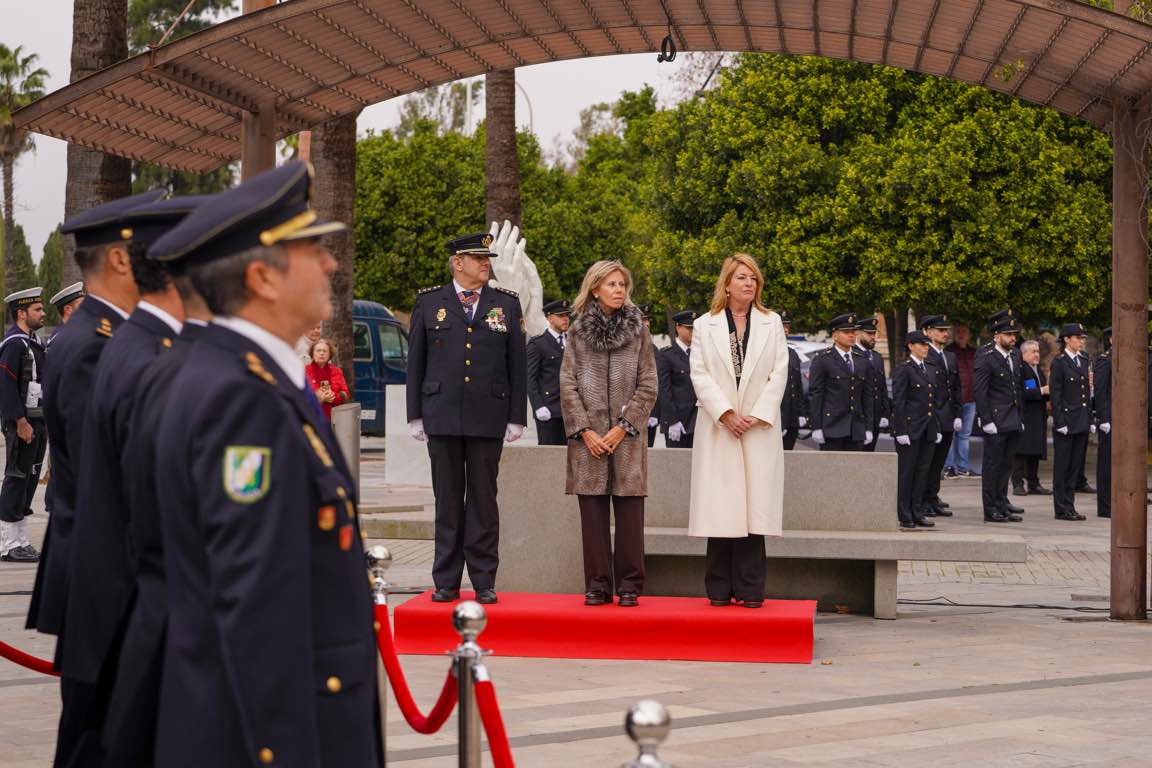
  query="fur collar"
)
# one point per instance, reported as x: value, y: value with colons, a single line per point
x: 606, y: 333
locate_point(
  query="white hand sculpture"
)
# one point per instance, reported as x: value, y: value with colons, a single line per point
x: 903, y: 439
x: 675, y: 432
x: 818, y: 436
x: 513, y: 432
x: 416, y: 429
x: 957, y: 424
x: 883, y: 423
x: 803, y: 421
x: 867, y: 437
x: 543, y: 414
x: 513, y: 270
x: 989, y: 428
x: 1062, y: 430
x: 1105, y: 427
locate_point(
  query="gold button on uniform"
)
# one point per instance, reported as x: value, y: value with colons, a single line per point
x: 266, y: 756
x: 469, y: 330
x: 467, y: 362
x: 466, y: 379
x: 334, y: 684
x: 468, y: 345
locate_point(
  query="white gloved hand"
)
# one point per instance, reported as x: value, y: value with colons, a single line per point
x: 543, y: 414
x: 818, y: 436
x: 883, y: 423
x: 903, y: 439
x: 1092, y: 428
x: 416, y: 429
x: 989, y: 429
x: 675, y: 432
x: 867, y: 437
x: 939, y: 437
x: 803, y: 421
x: 652, y: 421
x: 1062, y: 430
x: 513, y: 432
x: 1105, y: 427
x: 957, y: 425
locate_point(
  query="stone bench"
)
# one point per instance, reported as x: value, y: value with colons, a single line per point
x: 841, y: 542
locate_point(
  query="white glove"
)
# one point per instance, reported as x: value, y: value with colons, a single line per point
x: 1105, y: 427
x: 939, y: 437
x: 803, y: 421
x: 989, y: 429
x: 957, y: 425
x: 883, y: 423
x: 818, y: 436
x: 903, y: 439
x: 867, y: 438
x: 675, y: 432
x: 513, y: 432
x: 1062, y: 430
x: 1092, y: 428
x: 416, y: 429
x: 652, y: 421
x: 543, y: 414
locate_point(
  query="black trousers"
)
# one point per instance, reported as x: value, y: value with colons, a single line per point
x: 735, y: 568
x: 603, y: 565
x: 912, y: 462
x: 1104, y: 474
x: 21, y: 470
x: 841, y: 444
x: 652, y: 435
x: 551, y: 432
x: 464, y: 471
x: 939, y: 457
x: 685, y: 441
x: 790, y: 435
x: 1069, y: 456
x: 1026, y: 472
x: 999, y: 453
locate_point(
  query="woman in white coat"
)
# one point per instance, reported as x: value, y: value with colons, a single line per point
x: 739, y: 366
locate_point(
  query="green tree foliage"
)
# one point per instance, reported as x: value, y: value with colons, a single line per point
x: 50, y: 273
x: 23, y: 270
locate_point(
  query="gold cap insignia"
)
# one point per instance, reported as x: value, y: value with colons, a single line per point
x: 487, y: 241
x: 126, y: 233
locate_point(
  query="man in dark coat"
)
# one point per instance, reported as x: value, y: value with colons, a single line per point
x: 467, y: 395
x: 841, y: 391
x: 1072, y: 422
x: 794, y: 406
x: 915, y: 430
x: 881, y: 403
x: 1034, y: 440
x: 938, y: 329
x: 545, y: 353
x: 996, y: 383
x: 1102, y: 408
x: 677, y: 396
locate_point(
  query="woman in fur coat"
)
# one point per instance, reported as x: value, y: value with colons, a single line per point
x: 607, y: 389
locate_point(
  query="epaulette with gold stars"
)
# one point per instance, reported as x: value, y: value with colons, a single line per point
x: 513, y: 294
x: 429, y: 289
x: 104, y: 328
x: 257, y: 369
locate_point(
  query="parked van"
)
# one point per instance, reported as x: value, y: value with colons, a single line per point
x: 379, y: 359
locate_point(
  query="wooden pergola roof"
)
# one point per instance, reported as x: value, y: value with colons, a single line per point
x: 311, y: 61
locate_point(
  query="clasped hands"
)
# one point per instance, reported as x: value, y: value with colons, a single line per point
x: 738, y: 425
x: 603, y: 446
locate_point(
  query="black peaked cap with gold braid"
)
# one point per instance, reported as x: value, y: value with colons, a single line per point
x: 104, y: 223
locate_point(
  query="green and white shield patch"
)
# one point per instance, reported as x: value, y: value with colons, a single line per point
x: 247, y: 470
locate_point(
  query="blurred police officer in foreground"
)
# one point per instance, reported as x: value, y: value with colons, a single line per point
x: 878, y: 381
x: 840, y: 393
x: 677, y: 396
x: 545, y: 353
x: 938, y: 329
x: 1102, y: 409
x: 66, y: 302
x: 467, y: 395
x: 996, y: 378
x: 102, y: 255
x: 1070, y: 392
x: 270, y: 657
x: 915, y: 429
x: 794, y: 406
x: 22, y: 417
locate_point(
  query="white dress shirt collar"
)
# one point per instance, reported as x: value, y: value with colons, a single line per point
x: 155, y: 311
x: 278, y: 349
x: 555, y: 334
x: 682, y: 345
x: 107, y: 303
x: 1075, y: 356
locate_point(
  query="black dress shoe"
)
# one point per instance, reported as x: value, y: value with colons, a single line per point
x: 996, y: 518
x: 1014, y: 518
x: 1015, y: 510
x: 943, y: 513
x: 1040, y: 490
x: 907, y: 525
x: 1019, y: 490
x: 1086, y: 488
x: 923, y: 523
x: 445, y: 595
x: 1071, y: 516
x: 1103, y: 514
x: 929, y: 511
x: 939, y: 503
x: 21, y: 555
x: 752, y: 603
x: 595, y: 597
x: 486, y: 596
x: 719, y: 603
x: 629, y: 600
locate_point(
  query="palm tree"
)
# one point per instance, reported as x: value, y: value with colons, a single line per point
x: 501, y: 161
x: 21, y: 83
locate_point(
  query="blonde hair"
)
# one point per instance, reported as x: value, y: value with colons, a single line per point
x: 331, y: 350
x: 731, y: 264
x: 597, y: 274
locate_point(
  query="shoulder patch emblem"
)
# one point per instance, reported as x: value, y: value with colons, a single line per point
x: 441, y: 315
x: 247, y: 472
x: 318, y: 445
x: 104, y: 328
x: 510, y: 293
x: 257, y: 369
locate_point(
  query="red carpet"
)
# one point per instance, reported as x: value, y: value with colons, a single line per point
x: 661, y: 628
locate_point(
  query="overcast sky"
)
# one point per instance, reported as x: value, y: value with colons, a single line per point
x: 558, y: 93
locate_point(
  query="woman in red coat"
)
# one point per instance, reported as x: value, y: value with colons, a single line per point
x: 326, y: 378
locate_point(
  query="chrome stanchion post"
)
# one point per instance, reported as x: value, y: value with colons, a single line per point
x: 469, y: 620
x: 647, y: 724
x: 379, y: 561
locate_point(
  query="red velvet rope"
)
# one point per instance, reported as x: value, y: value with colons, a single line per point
x: 493, y: 725
x: 18, y: 656
x: 443, y: 706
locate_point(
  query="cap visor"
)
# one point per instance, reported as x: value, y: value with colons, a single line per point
x: 318, y: 228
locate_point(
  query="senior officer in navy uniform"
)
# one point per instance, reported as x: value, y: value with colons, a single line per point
x: 22, y: 417
x: 794, y: 406
x: 1102, y: 410
x: 997, y: 386
x: 98, y: 604
x: 270, y: 657
x: 545, y: 353
x: 938, y: 329
x: 841, y: 391
x: 881, y: 403
x: 676, y: 393
x: 70, y: 366
x: 467, y: 395
x: 915, y: 428
x: 1070, y: 392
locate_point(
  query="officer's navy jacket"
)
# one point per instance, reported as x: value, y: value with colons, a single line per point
x: 840, y: 398
x: 677, y: 396
x: 997, y: 389
x: 1070, y: 393
x: 544, y: 358
x: 913, y: 398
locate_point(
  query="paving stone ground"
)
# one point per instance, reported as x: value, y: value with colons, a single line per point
x: 986, y: 682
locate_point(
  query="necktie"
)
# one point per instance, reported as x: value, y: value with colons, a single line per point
x: 1008, y: 357
x: 562, y: 340
x: 468, y: 301
x: 944, y: 359
x: 848, y: 360
x: 1077, y: 359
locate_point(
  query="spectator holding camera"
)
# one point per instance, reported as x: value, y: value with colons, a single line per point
x: 325, y: 377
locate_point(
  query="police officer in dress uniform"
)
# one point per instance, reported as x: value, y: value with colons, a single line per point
x: 1070, y: 392
x: 794, y: 406
x: 938, y: 329
x: 997, y: 387
x: 66, y: 301
x: 467, y: 394
x: 841, y: 391
x: 1102, y: 409
x: 22, y: 417
x: 270, y: 656
x: 545, y: 353
x: 881, y: 403
x: 676, y: 394
x: 98, y: 604
x: 70, y: 366
x: 654, y: 416
x: 916, y: 429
